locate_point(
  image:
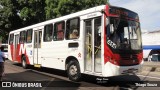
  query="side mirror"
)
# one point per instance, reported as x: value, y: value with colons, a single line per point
x: 99, y: 30
x: 111, y: 29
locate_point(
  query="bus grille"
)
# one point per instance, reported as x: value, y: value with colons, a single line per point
x: 128, y: 57
x: 128, y: 60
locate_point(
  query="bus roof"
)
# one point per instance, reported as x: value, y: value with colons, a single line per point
x: 83, y: 12
x: 90, y: 10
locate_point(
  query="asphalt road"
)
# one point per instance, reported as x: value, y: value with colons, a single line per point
x: 51, y: 79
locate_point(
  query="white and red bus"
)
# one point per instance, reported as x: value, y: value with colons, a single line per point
x: 102, y: 41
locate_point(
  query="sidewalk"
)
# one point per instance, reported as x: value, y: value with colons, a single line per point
x: 156, y: 64
x: 151, y: 66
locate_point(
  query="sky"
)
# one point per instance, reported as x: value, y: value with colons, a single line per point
x: 148, y: 11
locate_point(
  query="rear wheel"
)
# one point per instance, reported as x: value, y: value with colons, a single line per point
x: 24, y: 63
x: 73, y: 71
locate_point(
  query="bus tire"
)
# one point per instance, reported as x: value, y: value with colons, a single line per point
x: 73, y: 71
x: 24, y: 63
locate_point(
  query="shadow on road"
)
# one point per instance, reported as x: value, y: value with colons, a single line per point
x: 122, y: 82
x: 36, y: 81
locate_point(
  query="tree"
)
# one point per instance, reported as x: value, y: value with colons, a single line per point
x: 32, y: 11
x: 9, y: 19
x: 8, y: 15
x: 15, y: 14
x: 56, y: 8
x: 51, y: 8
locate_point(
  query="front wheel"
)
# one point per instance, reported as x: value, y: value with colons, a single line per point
x: 24, y: 63
x: 73, y: 71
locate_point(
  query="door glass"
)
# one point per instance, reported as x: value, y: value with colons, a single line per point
x: 37, y: 45
x: 88, y: 45
x: 39, y: 41
x: 35, y: 39
x: 16, y: 41
x: 97, y: 44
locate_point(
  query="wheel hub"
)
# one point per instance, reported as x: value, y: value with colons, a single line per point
x: 73, y: 70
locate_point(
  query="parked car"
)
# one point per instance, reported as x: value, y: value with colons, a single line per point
x: 5, y: 51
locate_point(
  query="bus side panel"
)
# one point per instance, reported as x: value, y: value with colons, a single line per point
x: 29, y: 53
x: 53, y: 54
x: 18, y: 54
x: 22, y: 50
x: 10, y: 52
x: 13, y: 54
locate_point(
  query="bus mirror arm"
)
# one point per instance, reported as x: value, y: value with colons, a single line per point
x: 102, y: 11
x: 111, y: 28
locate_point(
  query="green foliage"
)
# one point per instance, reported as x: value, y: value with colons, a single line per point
x: 56, y: 8
x: 32, y: 11
x: 8, y: 15
x: 3, y: 36
x: 15, y: 14
x: 9, y: 19
x: 51, y: 8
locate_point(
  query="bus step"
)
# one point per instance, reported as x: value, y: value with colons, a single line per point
x: 37, y: 65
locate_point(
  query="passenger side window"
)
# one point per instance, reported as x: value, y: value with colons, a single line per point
x: 29, y: 36
x: 73, y: 30
x: 59, y: 31
x: 48, y: 29
x: 22, y: 38
x: 11, y: 38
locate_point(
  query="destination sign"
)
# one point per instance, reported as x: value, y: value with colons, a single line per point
x: 123, y: 12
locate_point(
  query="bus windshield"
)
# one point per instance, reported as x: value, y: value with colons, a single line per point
x: 123, y: 34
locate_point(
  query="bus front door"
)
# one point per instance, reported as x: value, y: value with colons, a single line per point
x: 93, y: 61
x: 37, y: 47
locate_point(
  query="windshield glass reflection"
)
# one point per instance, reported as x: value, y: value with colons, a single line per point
x: 125, y: 34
